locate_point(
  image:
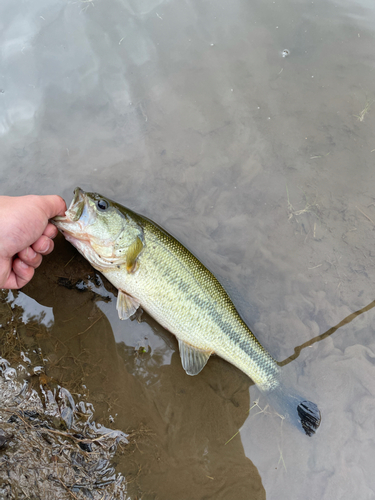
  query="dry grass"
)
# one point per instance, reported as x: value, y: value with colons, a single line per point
x: 361, y: 116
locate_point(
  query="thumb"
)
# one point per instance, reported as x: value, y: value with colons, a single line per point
x: 53, y: 205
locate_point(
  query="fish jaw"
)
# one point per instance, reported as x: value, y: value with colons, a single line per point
x: 84, y: 247
x: 78, y: 217
x: 74, y: 226
x: 74, y: 211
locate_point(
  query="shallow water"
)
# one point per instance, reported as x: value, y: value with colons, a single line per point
x: 263, y: 166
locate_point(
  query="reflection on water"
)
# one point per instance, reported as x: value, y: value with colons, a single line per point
x: 32, y: 310
x: 262, y: 165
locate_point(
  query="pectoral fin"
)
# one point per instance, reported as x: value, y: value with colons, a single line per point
x: 132, y: 254
x: 193, y: 359
x: 126, y: 305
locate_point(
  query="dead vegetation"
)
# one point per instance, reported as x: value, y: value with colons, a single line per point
x: 361, y: 116
x: 311, y: 207
x: 50, y: 445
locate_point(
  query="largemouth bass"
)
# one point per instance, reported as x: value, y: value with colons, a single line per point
x: 152, y: 269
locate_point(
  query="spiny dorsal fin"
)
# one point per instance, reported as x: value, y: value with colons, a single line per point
x: 126, y: 305
x: 132, y: 254
x: 193, y: 360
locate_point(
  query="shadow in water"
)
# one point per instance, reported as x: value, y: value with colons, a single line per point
x: 182, y: 423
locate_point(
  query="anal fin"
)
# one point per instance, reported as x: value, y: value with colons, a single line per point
x: 193, y: 360
x: 126, y: 305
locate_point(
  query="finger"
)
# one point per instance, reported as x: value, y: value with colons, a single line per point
x: 53, y: 205
x: 21, y: 275
x: 51, y: 231
x: 43, y: 245
x: 29, y: 257
x: 5, y: 270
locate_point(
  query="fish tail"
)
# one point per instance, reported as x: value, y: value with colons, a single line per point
x: 309, y: 417
x: 302, y: 413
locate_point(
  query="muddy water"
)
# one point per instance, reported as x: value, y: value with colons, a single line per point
x: 263, y: 166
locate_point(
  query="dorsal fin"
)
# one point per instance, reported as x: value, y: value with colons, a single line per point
x: 126, y: 305
x: 193, y: 360
x: 132, y: 254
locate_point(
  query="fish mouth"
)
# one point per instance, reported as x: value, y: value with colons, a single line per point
x: 75, y: 209
x: 78, y: 218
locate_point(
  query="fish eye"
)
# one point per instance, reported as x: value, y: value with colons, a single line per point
x: 102, y: 204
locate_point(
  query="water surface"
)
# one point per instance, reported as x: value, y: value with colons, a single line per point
x: 263, y: 166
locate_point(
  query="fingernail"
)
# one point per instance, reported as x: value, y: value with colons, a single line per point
x: 45, y: 247
x: 23, y: 264
x: 30, y: 254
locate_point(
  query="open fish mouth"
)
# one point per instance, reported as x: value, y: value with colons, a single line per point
x: 75, y: 209
x: 78, y: 218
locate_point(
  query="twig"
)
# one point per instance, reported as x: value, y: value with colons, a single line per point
x: 67, y: 489
x: 88, y: 328
x: 367, y: 217
x: 60, y: 433
x: 69, y: 261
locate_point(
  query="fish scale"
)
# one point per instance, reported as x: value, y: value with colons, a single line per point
x: 185, y: 298
x: 152, y: 269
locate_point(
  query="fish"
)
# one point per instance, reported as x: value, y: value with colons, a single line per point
x: 151, y: 269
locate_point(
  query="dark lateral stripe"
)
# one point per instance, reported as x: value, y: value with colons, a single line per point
x: 259, y: 356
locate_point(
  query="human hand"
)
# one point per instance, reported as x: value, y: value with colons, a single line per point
x: 26, y: 235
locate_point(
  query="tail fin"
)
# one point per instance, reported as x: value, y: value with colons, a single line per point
x: 309, y: 416
x: 304, y: 414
